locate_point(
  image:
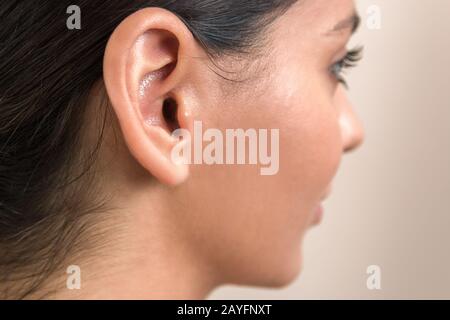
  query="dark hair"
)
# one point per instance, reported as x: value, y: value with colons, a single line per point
x: 47, y: 74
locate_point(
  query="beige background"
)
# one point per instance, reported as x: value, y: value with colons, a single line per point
x: 391, y: 203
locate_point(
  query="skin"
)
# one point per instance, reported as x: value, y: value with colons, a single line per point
x: 183, y: 230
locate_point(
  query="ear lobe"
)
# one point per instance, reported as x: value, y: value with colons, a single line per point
x: 141, y: 73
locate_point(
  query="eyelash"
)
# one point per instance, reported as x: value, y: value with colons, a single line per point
x: 350, y: 60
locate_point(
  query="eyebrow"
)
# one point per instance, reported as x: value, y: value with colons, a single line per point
x: 351, y: 23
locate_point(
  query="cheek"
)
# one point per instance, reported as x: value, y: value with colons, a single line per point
x: 236, y: 212
x: 311, y: 150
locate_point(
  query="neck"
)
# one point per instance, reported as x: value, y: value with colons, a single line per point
x: 155, y: 264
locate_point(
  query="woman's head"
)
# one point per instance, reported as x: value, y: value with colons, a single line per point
x: 86, y: 120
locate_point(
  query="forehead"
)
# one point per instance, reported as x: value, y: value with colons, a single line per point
x: 319, y: 17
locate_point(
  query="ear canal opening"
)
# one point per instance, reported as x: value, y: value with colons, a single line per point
x: 170, y: 114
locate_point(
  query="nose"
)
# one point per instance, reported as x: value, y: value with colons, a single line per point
x: 352, y: 130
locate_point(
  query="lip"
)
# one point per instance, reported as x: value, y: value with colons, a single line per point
x: 318, y: 215
x: 319, y: 211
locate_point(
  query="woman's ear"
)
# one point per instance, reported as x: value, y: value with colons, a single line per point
x: 144, y: 78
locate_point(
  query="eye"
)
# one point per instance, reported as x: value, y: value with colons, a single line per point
x: 350, y: 60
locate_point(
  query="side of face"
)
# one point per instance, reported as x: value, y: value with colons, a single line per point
x: 247, y: 227
x: 252, y: 226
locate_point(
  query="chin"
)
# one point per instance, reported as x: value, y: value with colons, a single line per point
x: 286, y: 275
x: 276, y: 274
